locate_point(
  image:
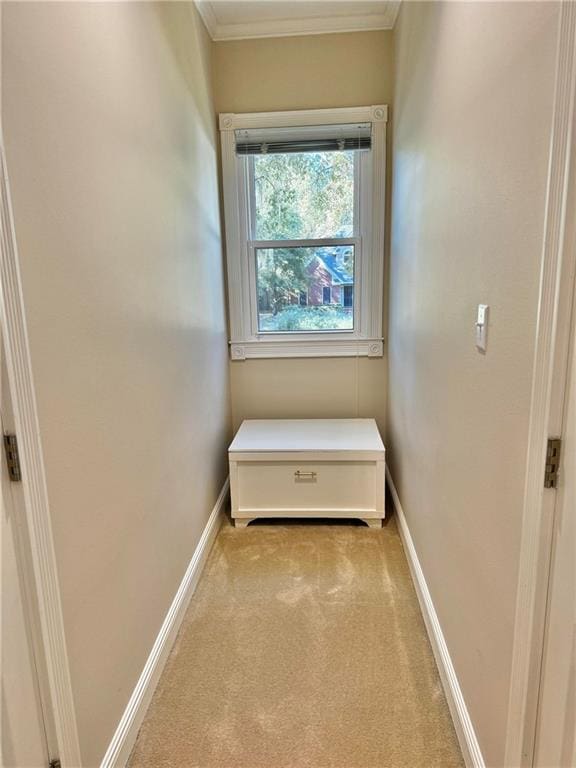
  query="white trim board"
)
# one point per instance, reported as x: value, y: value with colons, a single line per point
x: 462, y: 722
x: 36, y: 505
x: 124, y: 738
x: 303, y: 25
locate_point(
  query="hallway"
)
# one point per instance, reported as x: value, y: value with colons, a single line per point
x: 303, y: 647
x: 215, y: 214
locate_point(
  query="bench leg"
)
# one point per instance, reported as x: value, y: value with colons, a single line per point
x: 372, y: 522
x: 242, y: 522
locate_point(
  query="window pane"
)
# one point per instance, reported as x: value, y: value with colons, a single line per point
x: 305, y: 289
x: 304, y: 196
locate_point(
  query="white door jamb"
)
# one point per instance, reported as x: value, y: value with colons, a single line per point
x: 44, y: 576
x: 548, y: 384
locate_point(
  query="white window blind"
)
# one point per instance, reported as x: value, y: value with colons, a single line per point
x: 312, y: 138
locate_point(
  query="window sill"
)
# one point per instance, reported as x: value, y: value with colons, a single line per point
x: 306, y: 348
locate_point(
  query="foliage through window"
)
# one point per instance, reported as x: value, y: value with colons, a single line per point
x: 306, y: 197
x: 303, y: 289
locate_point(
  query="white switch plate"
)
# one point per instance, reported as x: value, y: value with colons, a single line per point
x: 482, y: 327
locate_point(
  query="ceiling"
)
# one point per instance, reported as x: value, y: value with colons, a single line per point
x: 241, y: 19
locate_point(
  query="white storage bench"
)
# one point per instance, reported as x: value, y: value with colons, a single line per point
x: 307, y: 468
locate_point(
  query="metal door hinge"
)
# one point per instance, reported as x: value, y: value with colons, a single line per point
x: 552, y: 462
x: 12, y: 458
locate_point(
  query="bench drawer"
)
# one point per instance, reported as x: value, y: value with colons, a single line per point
x: 310, y: 487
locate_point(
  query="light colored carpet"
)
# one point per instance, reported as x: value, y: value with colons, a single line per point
x: 303, y: 647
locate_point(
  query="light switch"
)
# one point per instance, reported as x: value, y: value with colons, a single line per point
x: 482, y: 327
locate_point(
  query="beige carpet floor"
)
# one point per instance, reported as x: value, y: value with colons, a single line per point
x: 303, y: 647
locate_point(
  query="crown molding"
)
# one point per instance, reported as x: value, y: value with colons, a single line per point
x: 294, y: 27
x: 208, y: 16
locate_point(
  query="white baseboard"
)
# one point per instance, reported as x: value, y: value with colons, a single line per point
x: 462, y: 723
x: 123, y: 740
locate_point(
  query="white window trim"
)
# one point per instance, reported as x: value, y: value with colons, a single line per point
x: 366, y: 338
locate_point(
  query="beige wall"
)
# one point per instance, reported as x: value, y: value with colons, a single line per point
x: 310, y: 72
x: 473, y: 96
x: 109, y: 127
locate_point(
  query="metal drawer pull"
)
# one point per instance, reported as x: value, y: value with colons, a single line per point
x: 300, y: 475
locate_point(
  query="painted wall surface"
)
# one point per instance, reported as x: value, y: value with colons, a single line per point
x: 111, y: 147
x: 309, y: 72
x: 473, y: 99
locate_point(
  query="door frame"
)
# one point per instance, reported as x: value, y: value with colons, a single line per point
x: 557, y: 285
x: 44, y: 575
x: 14, y: 512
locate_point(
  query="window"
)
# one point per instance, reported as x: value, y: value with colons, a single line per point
x: 348, y: 296
x: 304, y: 202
